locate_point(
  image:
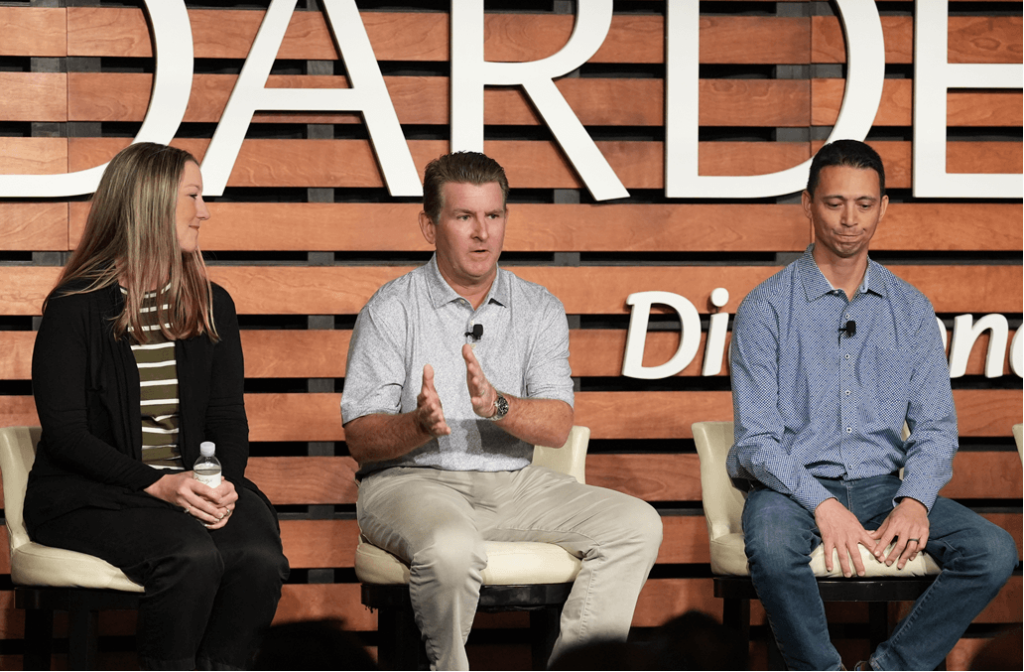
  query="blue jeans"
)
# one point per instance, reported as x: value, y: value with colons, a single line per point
x: 976, y: 557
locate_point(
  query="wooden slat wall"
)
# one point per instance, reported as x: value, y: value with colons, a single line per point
x: 305, y: 233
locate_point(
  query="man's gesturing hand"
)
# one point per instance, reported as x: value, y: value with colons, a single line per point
x: 429, y: 414
x: 840, y: 530
x: 481, y: 393
x: 908, y: 524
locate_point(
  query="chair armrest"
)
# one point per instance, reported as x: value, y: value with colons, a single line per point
x: 569, y: 459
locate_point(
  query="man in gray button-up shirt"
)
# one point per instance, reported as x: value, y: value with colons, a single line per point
x: 455, y: 371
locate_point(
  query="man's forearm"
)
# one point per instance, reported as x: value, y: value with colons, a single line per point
x: 381, y: 436
x: 544, y: 422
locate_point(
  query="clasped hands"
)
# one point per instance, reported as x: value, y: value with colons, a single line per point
x: 907, y: 524
x: 210, y: 506
x: 482, y: 395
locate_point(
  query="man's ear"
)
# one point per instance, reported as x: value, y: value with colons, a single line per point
x: 427, y: 228
x: 882, y: 207
x: 806, y: 200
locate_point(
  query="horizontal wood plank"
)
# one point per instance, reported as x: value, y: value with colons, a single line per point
x: 964, y: 108
x: 305, y: 480
x: 587, y: 290
x: 322, y: 353
x: 425, y: 100
x: 33, y: 96
x: 313, y: 544
x: 33, y: 226
x: 653, y: 477
x: 16, y: 355
x: 399, y: 36
x: 684, y: 227
x: 972, y: 39
x: 529, y: 164
x: 33, y: 31
x: 828, y: 43
x: 532, y: 227
x: 610, y: 415
x: 318, y: 601
x: 33, y: 156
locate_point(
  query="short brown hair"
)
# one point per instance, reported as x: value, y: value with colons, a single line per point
x: 462, y: 168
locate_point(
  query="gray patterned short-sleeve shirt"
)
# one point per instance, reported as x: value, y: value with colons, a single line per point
x: 419, y: 319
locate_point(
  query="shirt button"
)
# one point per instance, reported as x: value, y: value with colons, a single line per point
x: 847, y: 393
x: 849, y: 430
x: 846, y: 356
x: 847, y: 316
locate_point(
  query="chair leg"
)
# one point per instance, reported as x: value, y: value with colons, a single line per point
x: 544, y: 629
x: 736, y: 617
x: 399, y: 643
x: 38, y: 639
x: 82, y: 636
x: 878, y: 623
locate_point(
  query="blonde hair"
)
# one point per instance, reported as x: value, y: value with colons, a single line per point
x: 130, y: 238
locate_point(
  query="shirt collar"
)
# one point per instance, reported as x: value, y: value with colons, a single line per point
x: 817, y: 285
x: 442, y: 293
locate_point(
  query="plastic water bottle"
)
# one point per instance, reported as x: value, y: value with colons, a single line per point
x: 206, y: 470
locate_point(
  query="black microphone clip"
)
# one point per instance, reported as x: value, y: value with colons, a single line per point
x: 849, y: 329
x: 477, y: 332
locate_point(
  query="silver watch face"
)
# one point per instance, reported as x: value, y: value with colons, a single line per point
x: 500, y: 407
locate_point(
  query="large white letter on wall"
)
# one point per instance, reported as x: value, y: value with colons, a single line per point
x: 172, y: 84
x: 367, y: 94
x: 470, y: 73
x: 865, y: 74
x: 636, y: 336
x: 966, y: 332
x: 934, y: 75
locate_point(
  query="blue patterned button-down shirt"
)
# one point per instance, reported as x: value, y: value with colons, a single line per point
x: 811, y: 404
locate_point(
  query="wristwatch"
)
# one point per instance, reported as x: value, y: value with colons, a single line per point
x: 500, y: 408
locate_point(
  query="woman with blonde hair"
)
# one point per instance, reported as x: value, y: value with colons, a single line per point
x: 137, y: 361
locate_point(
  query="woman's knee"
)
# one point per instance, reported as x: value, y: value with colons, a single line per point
x: 259, y: 563
x: 193, y: 562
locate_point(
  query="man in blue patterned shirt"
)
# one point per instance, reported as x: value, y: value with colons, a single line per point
x: 830, y: 357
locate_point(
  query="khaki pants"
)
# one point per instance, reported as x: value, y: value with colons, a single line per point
x: 438, y: 520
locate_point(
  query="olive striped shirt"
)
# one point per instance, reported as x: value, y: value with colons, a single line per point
x: 158, y: 377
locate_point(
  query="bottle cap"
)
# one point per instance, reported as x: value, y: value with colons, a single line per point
x: 207, y: 448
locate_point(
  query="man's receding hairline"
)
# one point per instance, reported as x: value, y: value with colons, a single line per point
x: 504, y: 203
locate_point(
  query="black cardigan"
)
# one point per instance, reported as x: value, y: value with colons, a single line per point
x: 86, y: 387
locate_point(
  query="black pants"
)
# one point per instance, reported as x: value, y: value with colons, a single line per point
x: 209, y: 594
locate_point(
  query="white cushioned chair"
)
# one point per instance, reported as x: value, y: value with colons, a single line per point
x: 520, y: 576
x: 723, y: 510
x: 53, y: 579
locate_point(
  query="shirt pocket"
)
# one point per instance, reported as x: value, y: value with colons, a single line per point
x: 892, y: 372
